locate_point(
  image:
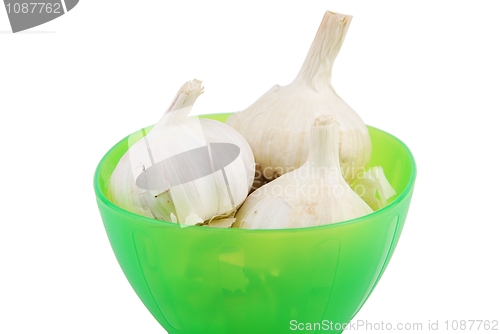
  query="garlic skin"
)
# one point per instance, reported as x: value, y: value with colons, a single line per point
x: 165, y: 176
x: 312, y: 195
x: 277, y: 125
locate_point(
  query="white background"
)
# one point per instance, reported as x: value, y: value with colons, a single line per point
x: 425, y: 71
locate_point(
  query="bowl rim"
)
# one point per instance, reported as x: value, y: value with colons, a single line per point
x: 161, y: 223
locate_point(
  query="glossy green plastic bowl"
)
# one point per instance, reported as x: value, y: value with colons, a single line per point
x: 206, y: 280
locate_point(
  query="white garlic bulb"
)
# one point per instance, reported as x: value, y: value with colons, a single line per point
x: 314, y: 194
x: 185, y: 170
x: 277, y: 125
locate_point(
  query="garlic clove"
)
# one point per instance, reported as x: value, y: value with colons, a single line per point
x: 374, y: 188
x: 262, y: 212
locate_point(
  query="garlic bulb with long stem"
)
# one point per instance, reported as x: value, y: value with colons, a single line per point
x: 186, y: 170
x: 314, y: 194
x: 277, y: 125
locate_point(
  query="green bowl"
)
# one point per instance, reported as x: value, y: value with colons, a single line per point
x: 207, y: 280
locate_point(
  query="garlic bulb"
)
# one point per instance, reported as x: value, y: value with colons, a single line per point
x: 314, y: 194
x: 374, y: 188
x: 185, y: 170
x: 277, y: 125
